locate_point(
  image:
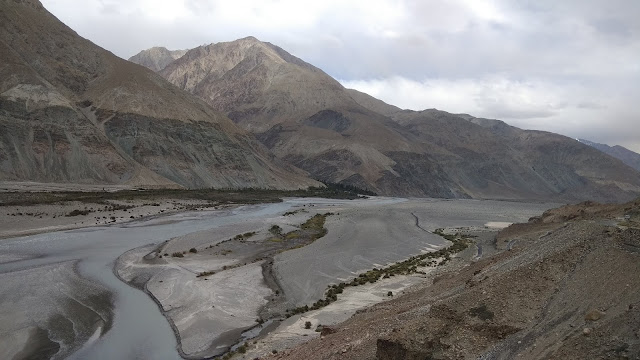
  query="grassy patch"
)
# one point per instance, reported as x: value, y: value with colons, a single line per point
x: 220, y: 196
x: 292, y: 235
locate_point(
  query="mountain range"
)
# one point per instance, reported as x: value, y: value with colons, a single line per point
x: 71, y: 111
x: 246, y: 113
x: 309, y: 120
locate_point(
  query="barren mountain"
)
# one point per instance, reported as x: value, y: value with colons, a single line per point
x: 621, y: 153
x: 309, y: 120
x: 156, y: 58
x: 73, y: 112
x: 488, y: 158
x: 562, y: 286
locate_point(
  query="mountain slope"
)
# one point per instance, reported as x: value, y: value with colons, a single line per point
x: 156, y: 58
x: 621, y: 153
x: 303, y: 115
x: 311, y: 121
x: 488, y: 158
x: 372, y: 103
x: 73, y: 112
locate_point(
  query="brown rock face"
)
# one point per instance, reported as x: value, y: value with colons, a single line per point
x: 73, y: 112
x: 309, y: 120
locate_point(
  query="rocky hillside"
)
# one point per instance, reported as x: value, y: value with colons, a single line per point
x: 621, y: 153
x: 309, y: 120
x: 563, y: 286
x: 73, y: 112
x: 156, y: 58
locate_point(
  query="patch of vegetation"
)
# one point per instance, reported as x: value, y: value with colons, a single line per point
x: 77, y: 212
x: 292, y: 235
x: 276, y: 230
x: 351, y: 189
x: 406, y: 267
x: 244, y: 236
x: 312, y: 229
x: 214, y: 196
x: 205, y: 273
x: 193, y: 250
x: 177, y: 254
x: 307, y: 325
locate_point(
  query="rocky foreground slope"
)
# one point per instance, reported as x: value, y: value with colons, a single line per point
x: 562, y: 286
x: 309, y: 120
x: 71, y: 111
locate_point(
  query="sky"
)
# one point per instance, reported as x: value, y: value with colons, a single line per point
x: 570, y: 67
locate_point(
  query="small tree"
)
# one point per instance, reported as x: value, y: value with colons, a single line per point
x: 307, y: 325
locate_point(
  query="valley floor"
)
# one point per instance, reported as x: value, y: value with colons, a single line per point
x: 226, y: 277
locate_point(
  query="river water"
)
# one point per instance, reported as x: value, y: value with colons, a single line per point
x: 139, y: 330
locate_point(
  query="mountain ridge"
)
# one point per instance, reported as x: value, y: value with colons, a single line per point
x: 311, y: 121
x: 157, y: 57
x: 621, y: 153
x: 74, y: 112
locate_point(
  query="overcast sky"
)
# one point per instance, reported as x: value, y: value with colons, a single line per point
x: 570, y: 66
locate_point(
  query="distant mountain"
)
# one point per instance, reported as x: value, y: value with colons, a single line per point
x: 156, y: 58
x: 625, y: 155
x: 311, y: 121
x: 72, y: 112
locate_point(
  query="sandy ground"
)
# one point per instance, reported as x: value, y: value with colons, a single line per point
x: 293, y: 331
x: 364, y: 235
x: 75, y: 309
x: 34, y: 219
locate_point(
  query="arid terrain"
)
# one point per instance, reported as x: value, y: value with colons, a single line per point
x: 562, y: 286
x: 233, y: 201
x: 225, y: 276
x: 265, y: 273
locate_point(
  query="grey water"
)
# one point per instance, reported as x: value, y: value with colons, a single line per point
x: 139, y: 329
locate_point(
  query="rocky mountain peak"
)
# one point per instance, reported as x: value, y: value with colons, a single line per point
x: 157, y: 58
